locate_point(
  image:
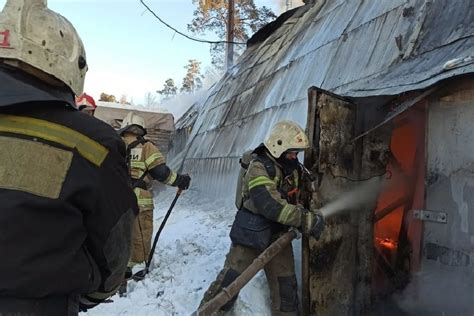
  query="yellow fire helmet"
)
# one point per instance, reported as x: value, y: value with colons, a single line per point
x: 42, y: 42
x: 133, y: 120
x: 286, y: 136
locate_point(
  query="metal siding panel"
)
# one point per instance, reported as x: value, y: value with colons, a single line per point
x: 315, y: 66
x: 447, y: 266
x: 374, y: 9
x: 446, y: 23
x: 274, y: 96
x: 450, y: 176
x: 415, y: 73
x: 271, y: 79
x: 358, y: 55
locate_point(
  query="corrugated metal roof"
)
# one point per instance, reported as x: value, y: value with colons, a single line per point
x: 353, y: 48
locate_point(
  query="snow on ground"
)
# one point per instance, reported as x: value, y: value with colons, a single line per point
x: 190, y: 252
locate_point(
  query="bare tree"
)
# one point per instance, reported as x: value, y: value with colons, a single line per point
x: 150, y: 100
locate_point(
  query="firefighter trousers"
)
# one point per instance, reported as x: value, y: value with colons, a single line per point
x: 141, y: 236
x: 280, y: 274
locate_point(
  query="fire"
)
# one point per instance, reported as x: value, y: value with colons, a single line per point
x: 388, y: 249
x: 387, y: 243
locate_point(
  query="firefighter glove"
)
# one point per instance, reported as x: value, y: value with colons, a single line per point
x: 183, y: 181
x: 313, y: 223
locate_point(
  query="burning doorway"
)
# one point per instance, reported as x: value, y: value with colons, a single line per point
x: 418, y: 235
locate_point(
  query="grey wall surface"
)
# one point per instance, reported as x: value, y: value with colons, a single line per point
x: 450, y: 181
x: 446, y: 280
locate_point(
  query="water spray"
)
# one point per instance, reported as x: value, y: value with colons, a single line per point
x: 356, y: 198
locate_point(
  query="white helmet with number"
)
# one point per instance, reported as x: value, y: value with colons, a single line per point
x: 286, y: 136
x: 133, y: 123
x: 42, y: 42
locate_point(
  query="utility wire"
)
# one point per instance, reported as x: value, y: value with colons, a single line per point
x: 185, y: 35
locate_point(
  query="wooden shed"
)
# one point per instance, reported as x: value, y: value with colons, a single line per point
x: 159, y: 123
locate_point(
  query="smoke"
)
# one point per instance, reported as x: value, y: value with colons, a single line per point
x: 438, y: 289
x: 364, y: 193
x: 180, y: 103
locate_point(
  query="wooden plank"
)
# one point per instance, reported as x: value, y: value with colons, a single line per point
x: 389, y: 208
x: 309, y: 161
x: 332, y: 259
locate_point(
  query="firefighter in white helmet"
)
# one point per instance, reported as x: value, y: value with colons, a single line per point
x: 146, y: 163
x: 67, y: 208
x: 269, y: 206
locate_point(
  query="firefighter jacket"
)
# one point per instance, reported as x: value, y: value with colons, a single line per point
x: 147, y: 163
x: 67, y: 207
x: 274, y: 196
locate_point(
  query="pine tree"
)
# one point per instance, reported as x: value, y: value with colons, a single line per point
x: 211, y: 15
x: 169, y: 89
x: 193, y: 79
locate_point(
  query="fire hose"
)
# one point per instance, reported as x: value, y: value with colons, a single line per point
x: 140, y: 275
x: 230, y: 291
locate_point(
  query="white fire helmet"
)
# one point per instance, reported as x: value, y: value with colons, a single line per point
x: 31, y: 35
x: 286, y: 136
x: 133, y: 120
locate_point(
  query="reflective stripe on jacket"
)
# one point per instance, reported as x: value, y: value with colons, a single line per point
x: 264, y: 195
x: 144, y: 157
x: 66, y: 203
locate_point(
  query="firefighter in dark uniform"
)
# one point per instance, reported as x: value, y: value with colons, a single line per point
x: 269, y: 208
x: 66, y: 203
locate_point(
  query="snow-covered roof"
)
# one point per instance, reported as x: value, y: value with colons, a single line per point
x: 113, y: 113
x: 353, y: 48
x: 131, y: 107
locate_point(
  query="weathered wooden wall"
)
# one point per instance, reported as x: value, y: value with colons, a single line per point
x: 337, y: 269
